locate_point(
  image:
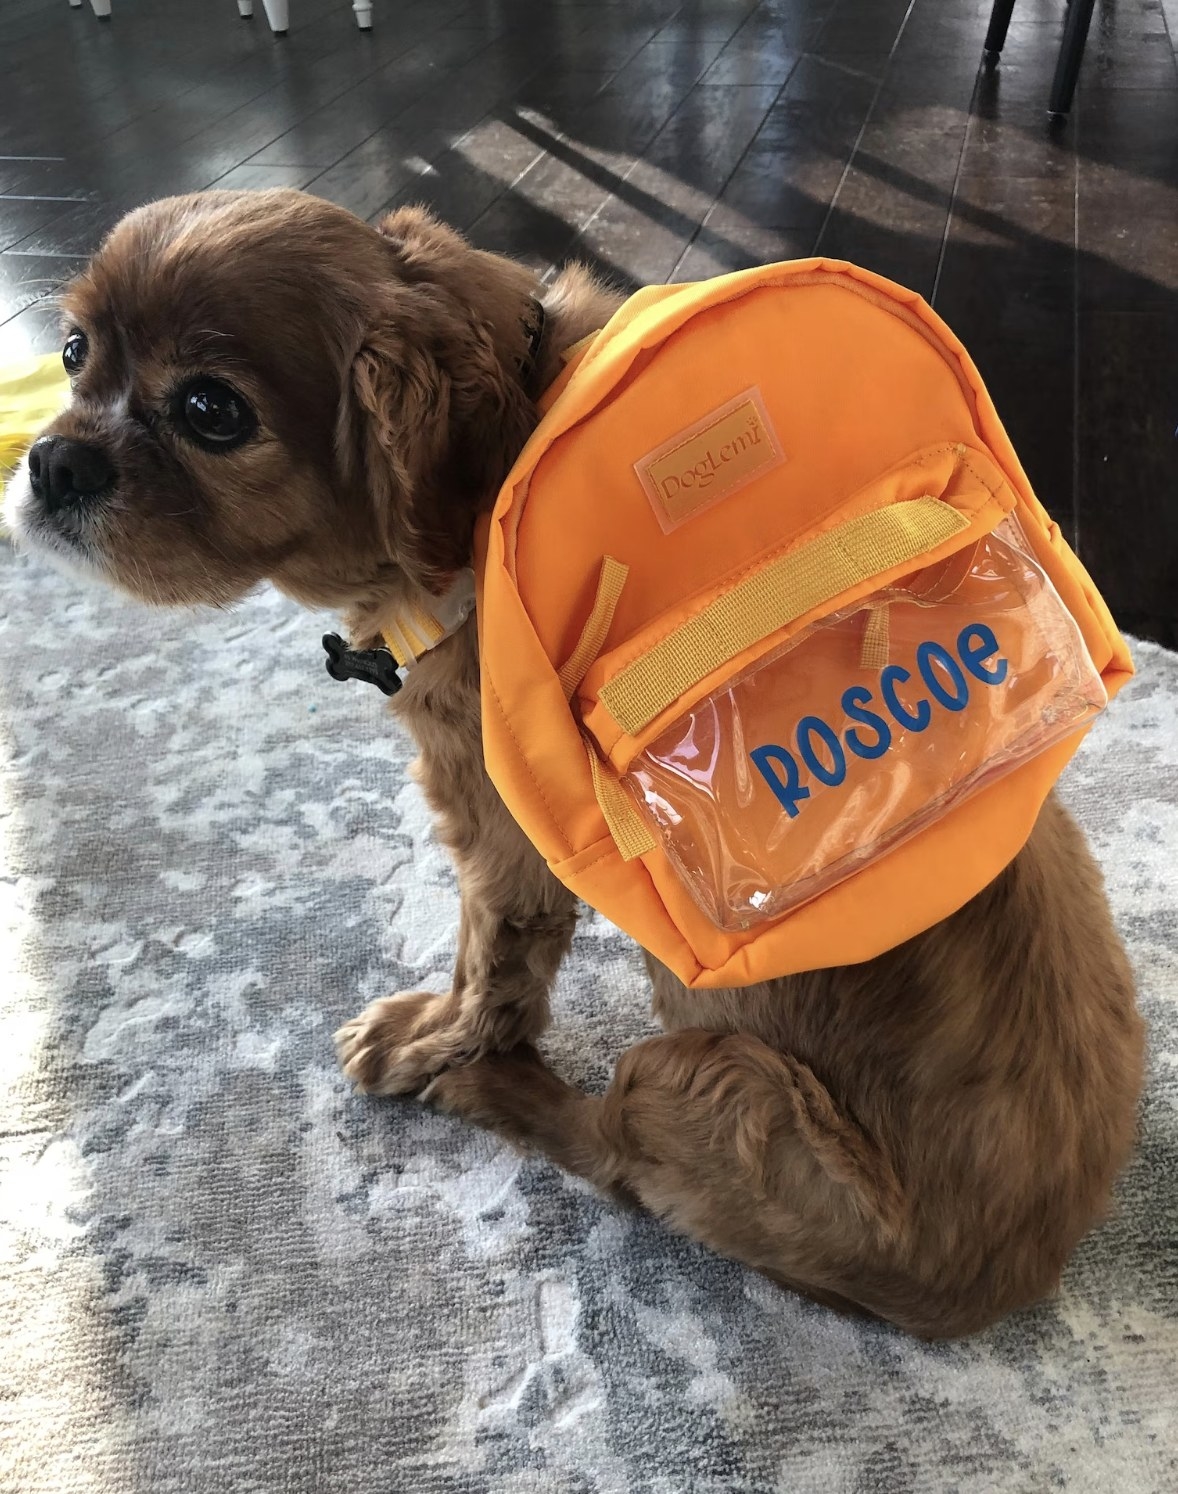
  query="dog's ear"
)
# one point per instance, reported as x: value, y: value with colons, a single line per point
x: 433, y: 420
x: 425, y: 249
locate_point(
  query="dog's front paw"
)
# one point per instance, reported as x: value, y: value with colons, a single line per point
x: 399, y: 1043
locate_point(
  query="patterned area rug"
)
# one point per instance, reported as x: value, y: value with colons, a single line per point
x: 224, y: 1272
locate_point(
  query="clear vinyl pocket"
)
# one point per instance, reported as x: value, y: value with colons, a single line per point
x: 851, y: 737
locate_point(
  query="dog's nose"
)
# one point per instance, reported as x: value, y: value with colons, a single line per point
x: 64, y: 472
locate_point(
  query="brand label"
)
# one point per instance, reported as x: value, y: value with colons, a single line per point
x: 710, y: 459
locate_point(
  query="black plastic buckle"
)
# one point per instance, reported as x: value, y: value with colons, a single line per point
x: 375, y: 666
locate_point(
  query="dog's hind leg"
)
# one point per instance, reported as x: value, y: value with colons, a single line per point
x: 730, y: 1142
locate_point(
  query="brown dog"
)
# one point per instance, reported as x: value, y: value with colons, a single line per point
x: 266, y: 388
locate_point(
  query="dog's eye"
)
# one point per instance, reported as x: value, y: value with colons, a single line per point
x: 73, y: 355
x: 215, y: 413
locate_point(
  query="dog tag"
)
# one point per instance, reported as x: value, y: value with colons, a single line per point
x: 375, y: 666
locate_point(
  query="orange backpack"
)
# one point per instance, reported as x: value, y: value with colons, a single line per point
x: 780, y: 654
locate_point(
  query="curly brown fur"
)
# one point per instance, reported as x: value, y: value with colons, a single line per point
x: 925, y: 1136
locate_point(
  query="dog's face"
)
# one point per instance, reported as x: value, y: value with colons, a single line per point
x: 264, y: 387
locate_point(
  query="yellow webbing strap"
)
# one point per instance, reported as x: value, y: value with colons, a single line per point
x: 631, y: 834
x: 788, y: 588
x: 873, y: 653
x: 430, y: 628
x: 411, y: 633
x: 593, y: 635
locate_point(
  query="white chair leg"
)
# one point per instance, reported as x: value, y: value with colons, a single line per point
x: 278, y: 14
x: 101, y: 9
x: 245, y: 8
x: 363, y: 13
x: 75, y: 4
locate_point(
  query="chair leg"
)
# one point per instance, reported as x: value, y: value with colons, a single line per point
x: 278, y: 14
x: 1071, y: 54
x: 245, y: 9
x: 101, y: 9
x: 75, y: 4
x: 363, y: 13
x: 999, y: 25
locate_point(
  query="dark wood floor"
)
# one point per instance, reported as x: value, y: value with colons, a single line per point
x: 666, y: 140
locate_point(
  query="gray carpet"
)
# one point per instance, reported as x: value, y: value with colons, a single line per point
x: 224, y: 1272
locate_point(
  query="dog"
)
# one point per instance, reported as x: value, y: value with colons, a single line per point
x: 266, y: 388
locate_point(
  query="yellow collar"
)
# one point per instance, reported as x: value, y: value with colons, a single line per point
x: 417, y: 626
x: 411, y: 631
